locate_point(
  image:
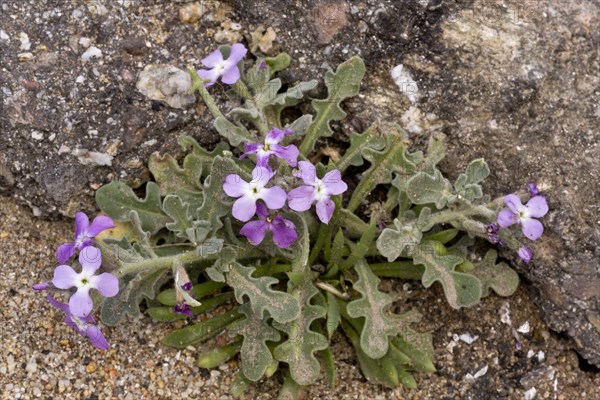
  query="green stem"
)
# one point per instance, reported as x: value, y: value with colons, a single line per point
x: 242, y: 90
x: 198, y: 84
x: 351, y: 223
x: 290, y: 389
x: 153, y: 264
x: 398, y: 269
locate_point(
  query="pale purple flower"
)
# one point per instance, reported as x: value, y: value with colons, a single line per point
x: 244, y: 207
x: 65, y: 277
x: 84, y: 235
x: 532, y: 189
x: 184, y: 299
x: 272, y: 147
x: 526, y: 254
x: 316, y: 190
x: 284, y: 231
x: 85, y: 326
x: 219, y: 67
x: 41, y: 286
x: 517, y: 213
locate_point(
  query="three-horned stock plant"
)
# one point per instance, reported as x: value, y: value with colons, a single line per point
x: 270, y: 248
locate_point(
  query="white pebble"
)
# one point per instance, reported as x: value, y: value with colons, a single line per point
x: 4, y: 36
x: 31, y: 366
x: 85, y: 42
x: 91, y: 52
x: 25, y: 43
x: 80, y: 79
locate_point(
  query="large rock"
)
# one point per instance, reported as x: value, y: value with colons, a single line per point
x: 514, y: 82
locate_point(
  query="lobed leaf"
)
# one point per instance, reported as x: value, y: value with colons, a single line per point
x: 461, y: 289
x: 256, y: 355
x: 371, y: 138
x: 424, y: 188
x: 341, y: 84
x: 499, y: 277
x: 298, y: 351
x: 117, y: 199
x: 372, y: 306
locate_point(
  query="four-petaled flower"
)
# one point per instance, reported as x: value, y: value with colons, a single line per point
x: 185, y: 301
x: 85, y: 326
x: 536, y: 207
x: 80, y: 303
x: 219, y: 67
x: 316, y: 190
x: 244, y: 207
x: 284, y: 231
x: 525, y: 253
x: 84, y: 235
x: 272, y: 147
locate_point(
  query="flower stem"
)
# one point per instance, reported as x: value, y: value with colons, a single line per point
x: 198, y: 84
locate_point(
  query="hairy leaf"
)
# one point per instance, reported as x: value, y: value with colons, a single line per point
x: 302, y: 342
x: 371, y: 138
x: 461, y: 289
x: 278, y: 63
x: 280, y: 305
x: 236, y: 134
x: 333, y: 314
x: 256, y: 355
x: 184, y: 225
x: 423, y: 188
x: 172, y: 179
x: 372, y: 307
x: 406, y: 235
x: 344, y: 83
x: 117, y: 199
x: 499, y: 277
x: 292, y: 96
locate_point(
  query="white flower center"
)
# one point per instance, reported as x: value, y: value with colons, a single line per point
x: 320, y: 190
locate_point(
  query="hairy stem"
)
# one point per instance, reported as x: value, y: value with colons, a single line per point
x: 198, y: 84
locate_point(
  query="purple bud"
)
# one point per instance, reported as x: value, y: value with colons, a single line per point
x: 41, y: 286
x: 263, y: 65
x: 187, y: 286
x: 526, y: 254
x: 532, y: 189
x: 492, y: 231
x: 183, y: 308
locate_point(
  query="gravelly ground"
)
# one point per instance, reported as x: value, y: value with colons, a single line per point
x: 42, y: 358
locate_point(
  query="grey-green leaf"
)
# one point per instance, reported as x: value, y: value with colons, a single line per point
x: 372, y: 306
x: 235, y: 134
x: 117, y: 199
x: 423, y: 188
x: 499, y: 277
x: 256, y: 355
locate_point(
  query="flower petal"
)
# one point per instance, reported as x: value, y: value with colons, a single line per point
x: 301, y: 198
x: 526, y: 254
x: 532, y: 228
x: 514, y: 203
x: 231, y: 75
x: 90, y: 259
x: 250, y: 148
x: 96, y: 337
x: 334, y: 183
x: 211, y: 60
x: 538, y: 206
x: 262, y: 211
x: 325, y: 209
x: 255, y: 231
x: 65, y: 277
x: 237, y: 52
x: 212, y: 75
x: 274, y: 197
x: 107, y: 284
x: 80, y: 303
x: 41, y: 286
x: 244, y: 208
x: 261, y: 176
x: 81, y: 224
x: 234, y: 185
x: 65, y: 251
x: 274, y: 136
x: 284, y: 232
x: 507, y: 218
x: 308, y: 172
x: 288, y: 153
x: 58, y: 304
x: 99, y: 224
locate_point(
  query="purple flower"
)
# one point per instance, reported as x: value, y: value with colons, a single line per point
x: 84, y: 235
x: 41, y: 286
x: 284, y: 231
x: 316, y: 190
x: 492, y: 231
x: 219, y: 67
x: 65, y: 277
x: 185, y: 301
x: 244, y: 207
x: 532, y: 189
x: 85, y: 326
x: 272, y: 147
x: 526, y: 254
x: 536, y: 207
